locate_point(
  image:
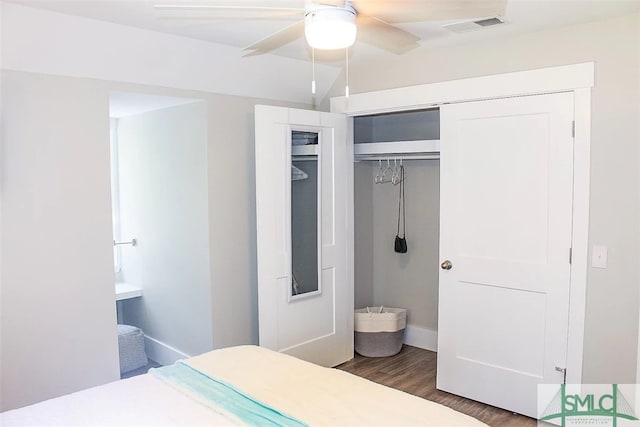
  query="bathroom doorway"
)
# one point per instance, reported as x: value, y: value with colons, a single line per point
x: 161, y: 228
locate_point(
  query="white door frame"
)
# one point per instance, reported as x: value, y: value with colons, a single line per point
x: 579, y: 79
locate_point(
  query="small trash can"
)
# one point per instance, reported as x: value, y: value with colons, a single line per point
x: 131, y: 348
x: 379, y: 331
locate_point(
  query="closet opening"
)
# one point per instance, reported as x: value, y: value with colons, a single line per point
x: 383, y: 143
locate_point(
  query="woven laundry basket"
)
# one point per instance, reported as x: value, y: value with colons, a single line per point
x: 379, y: 331
x: 131, y: 348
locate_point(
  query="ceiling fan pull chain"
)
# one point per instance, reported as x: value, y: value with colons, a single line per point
x: 313, y: 71
x: 346, y: 85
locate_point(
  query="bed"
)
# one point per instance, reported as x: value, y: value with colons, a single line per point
x: 244, y: 385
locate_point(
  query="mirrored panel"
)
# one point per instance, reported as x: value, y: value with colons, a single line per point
x: 299, y: 137
x: 304, y: 223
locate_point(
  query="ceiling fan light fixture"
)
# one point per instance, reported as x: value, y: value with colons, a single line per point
x: 330, y: 27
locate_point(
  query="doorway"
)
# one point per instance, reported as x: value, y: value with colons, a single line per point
x: 505, y: 222
x: 161, y: 223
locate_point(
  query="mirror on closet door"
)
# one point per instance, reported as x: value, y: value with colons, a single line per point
x: 305, y: 207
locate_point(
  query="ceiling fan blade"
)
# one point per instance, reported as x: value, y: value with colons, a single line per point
x: 276, y: 40
x: 337, y: 3
x: 396, y: 11
x: 378, y: 33
x: 223, y: 11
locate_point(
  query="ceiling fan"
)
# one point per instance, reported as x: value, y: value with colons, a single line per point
x: 333, y: 24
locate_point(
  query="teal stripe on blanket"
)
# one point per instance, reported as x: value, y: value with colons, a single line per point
x: 224, y: 395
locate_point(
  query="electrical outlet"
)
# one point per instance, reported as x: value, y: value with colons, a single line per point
x: 599, y: 256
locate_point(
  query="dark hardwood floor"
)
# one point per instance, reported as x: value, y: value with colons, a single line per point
x: 413, y: 370
x: 140, y: 371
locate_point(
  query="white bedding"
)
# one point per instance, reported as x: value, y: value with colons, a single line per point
x: 314, y: 395
x: 321, y: 396
x: 139, y: 401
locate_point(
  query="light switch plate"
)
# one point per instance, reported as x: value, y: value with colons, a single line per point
x: 599, y: 256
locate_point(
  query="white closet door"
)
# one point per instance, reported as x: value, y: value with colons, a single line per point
x: 505, y: 234
x: 316, y: 325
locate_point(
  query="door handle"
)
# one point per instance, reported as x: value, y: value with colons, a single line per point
x: 446, y: 265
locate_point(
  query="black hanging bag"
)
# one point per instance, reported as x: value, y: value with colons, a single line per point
x: 400, y: 244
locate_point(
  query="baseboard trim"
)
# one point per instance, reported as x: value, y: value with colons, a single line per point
x: 421, y: 337
x: 162, y: 353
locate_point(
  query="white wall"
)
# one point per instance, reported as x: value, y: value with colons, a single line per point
x: 232, y: 219
x: 57, y: 74
x: 163, y: 188
x: 46, y: 42
x: 363, y: 242
x: 614, y: 45
x: 58, y: 309
x: 409, y: 280
x: 57, y: 241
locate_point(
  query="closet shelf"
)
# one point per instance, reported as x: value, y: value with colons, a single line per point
x: 398, y: 148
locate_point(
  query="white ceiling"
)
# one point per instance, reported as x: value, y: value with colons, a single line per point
x: 521, y: 16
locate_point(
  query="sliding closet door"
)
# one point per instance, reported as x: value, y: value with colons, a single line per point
x: 305, y: 300
x: 505, y: 237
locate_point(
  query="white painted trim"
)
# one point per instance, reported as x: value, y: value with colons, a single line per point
x: 578, y: 78
x: 351, y: 233
x: 397, y: 147
x: 637, y: 389
x: 580, y: 235
x: 162, y: 353
x: 421, y: 337
x: 546, y: 80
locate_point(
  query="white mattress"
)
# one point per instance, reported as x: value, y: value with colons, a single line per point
x: 312, y: 394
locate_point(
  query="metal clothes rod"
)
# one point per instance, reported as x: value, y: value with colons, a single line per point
x: 304, y: 158
x: 132, y: 242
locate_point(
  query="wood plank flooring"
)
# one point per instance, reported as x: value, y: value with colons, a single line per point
x: 413, y: 370
x: 140, y: 371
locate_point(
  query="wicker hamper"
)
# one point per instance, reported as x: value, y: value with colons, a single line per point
x: 379, y: 331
